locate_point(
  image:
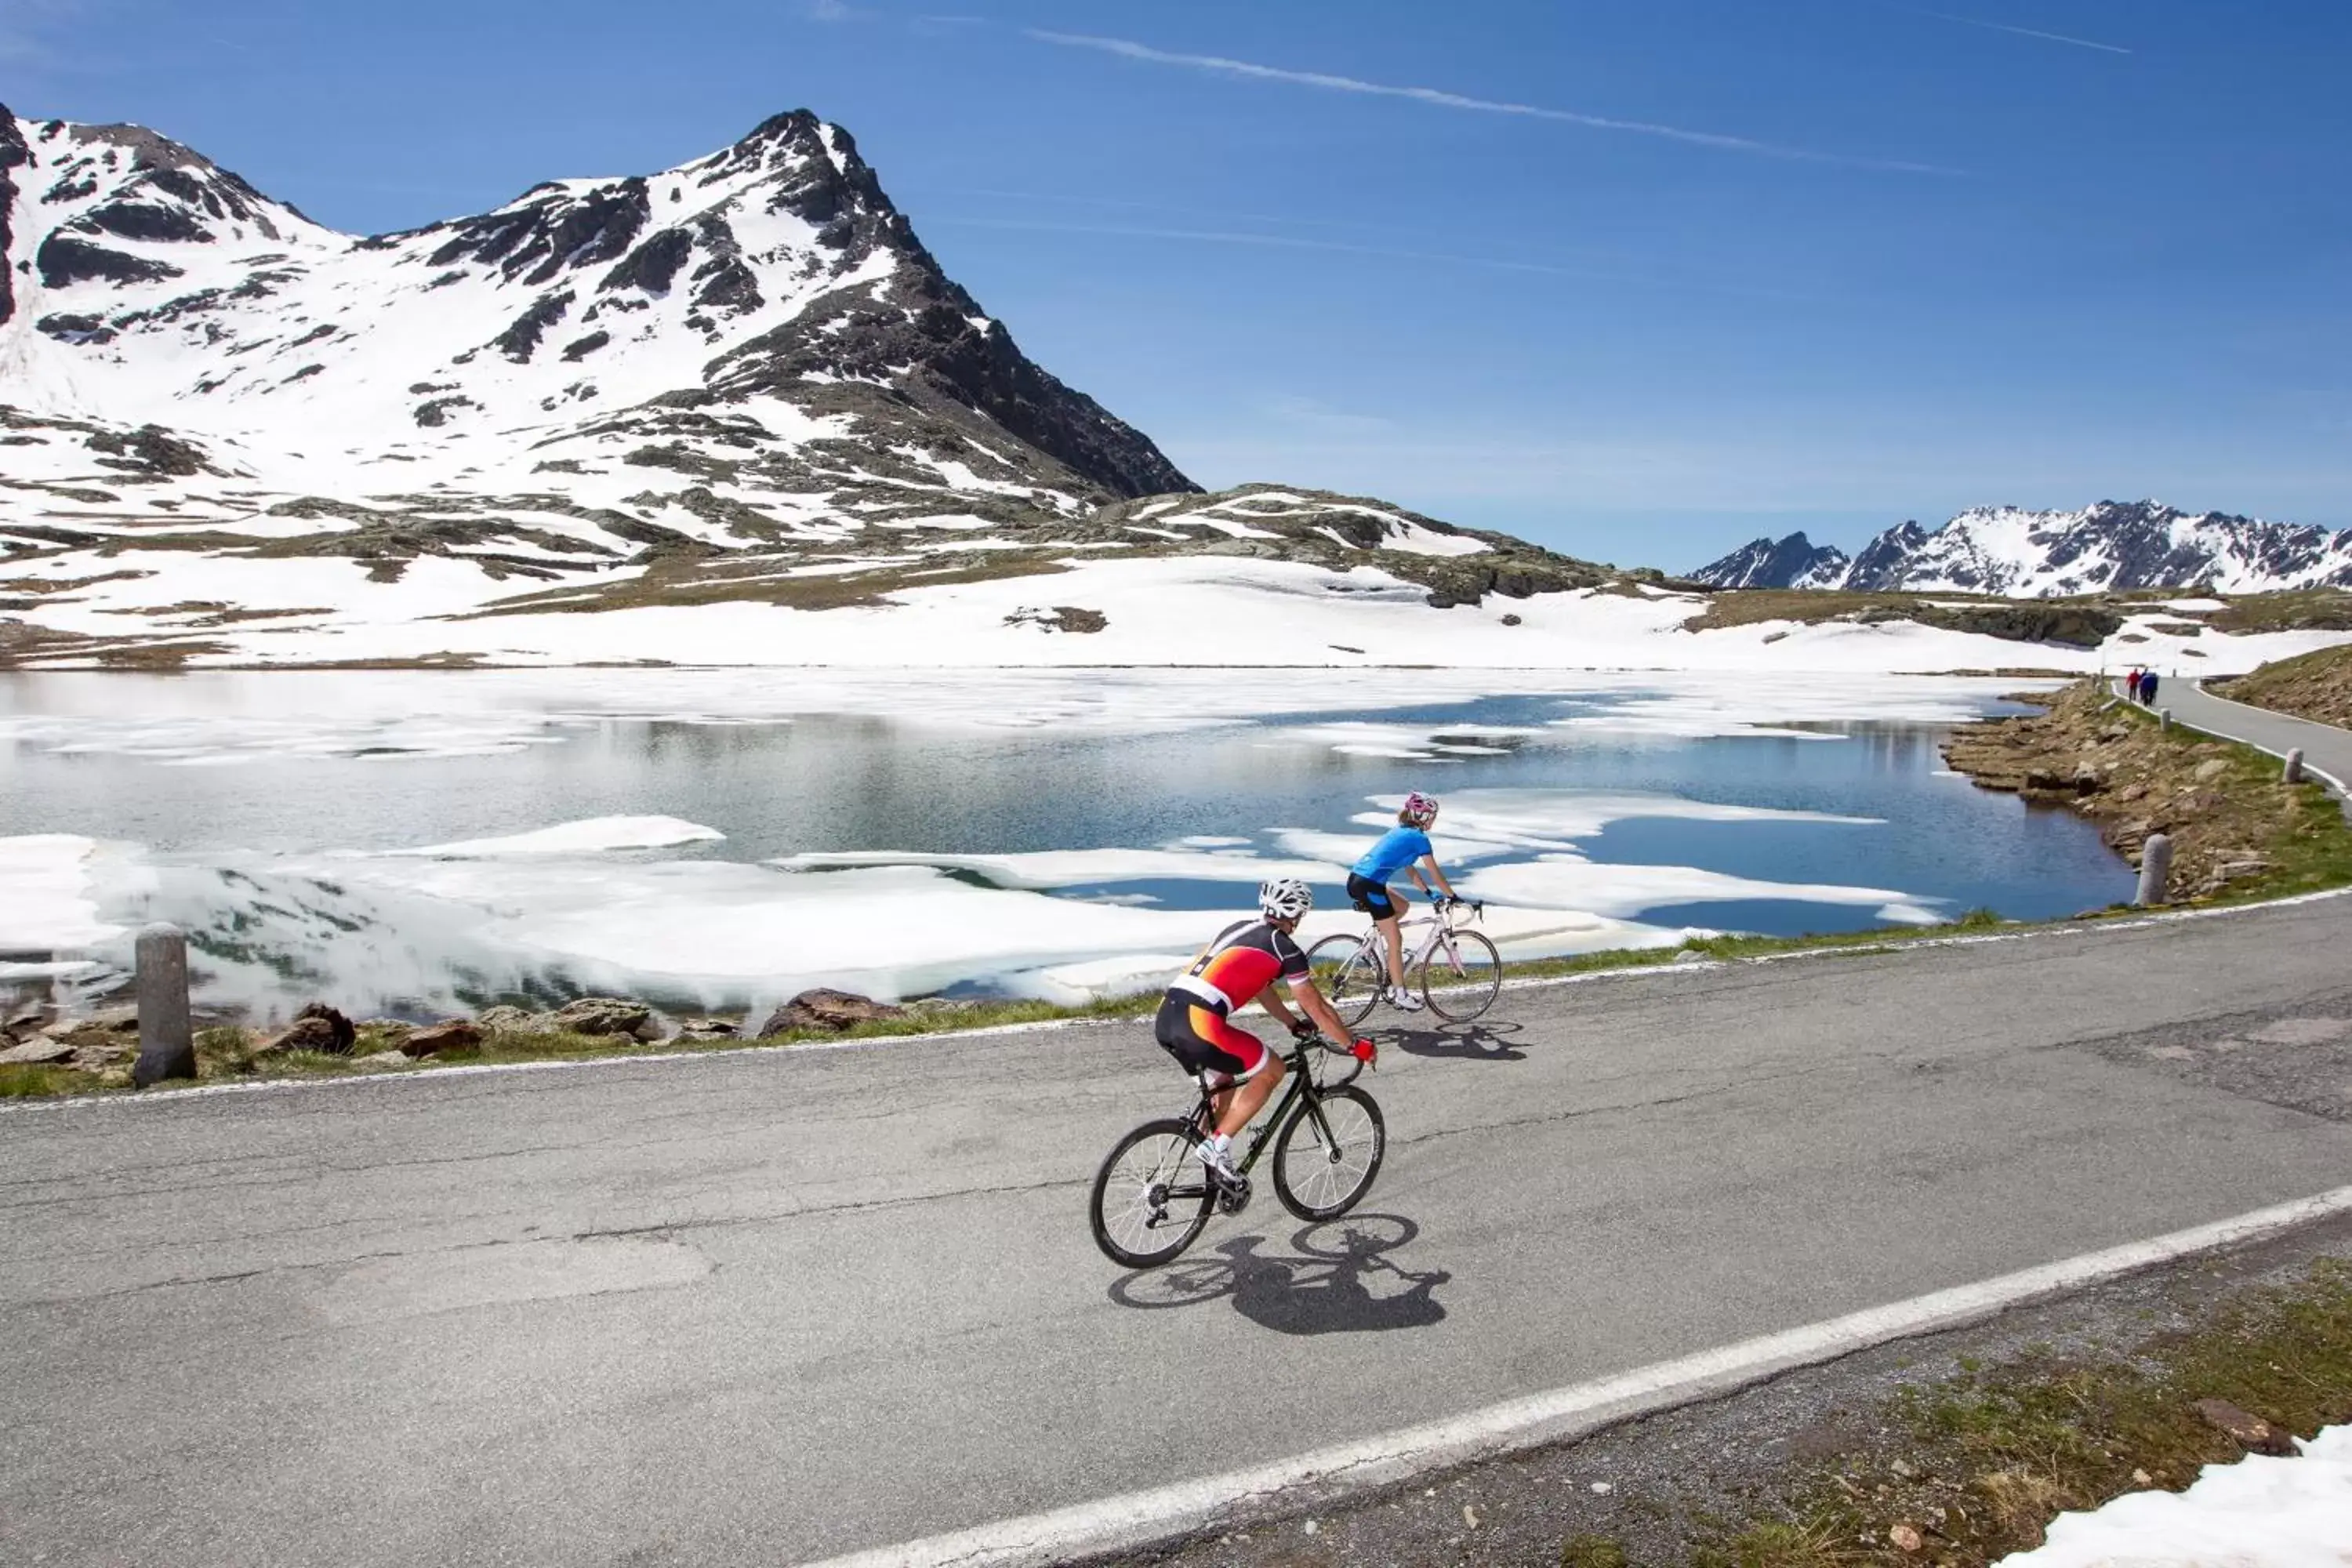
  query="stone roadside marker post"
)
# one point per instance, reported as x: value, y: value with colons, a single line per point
x: 2155, y: 870
x: 2166, y: 715
x: 2294, y: 772
x: 167, y: 1047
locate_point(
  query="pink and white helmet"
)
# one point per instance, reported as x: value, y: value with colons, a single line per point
x: 1419, y: 808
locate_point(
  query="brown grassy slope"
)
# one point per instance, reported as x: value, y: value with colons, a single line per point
x: 2316, y: 686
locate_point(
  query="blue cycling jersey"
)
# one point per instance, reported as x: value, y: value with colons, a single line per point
x: 1397, y: 848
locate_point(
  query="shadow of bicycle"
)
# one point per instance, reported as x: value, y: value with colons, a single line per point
x: 1478, y: 1042
x: 1343, y: 1280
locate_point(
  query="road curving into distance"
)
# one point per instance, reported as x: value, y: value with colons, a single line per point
x: 780, y: 1306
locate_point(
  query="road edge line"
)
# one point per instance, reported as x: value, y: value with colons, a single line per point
x: 33, y: 1107
x: 1133, y: 1520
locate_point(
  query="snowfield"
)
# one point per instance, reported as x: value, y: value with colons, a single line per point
x: 2261, y: 1512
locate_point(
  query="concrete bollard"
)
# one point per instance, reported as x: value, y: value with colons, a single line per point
x: 167, y: 1046
x: 2165, y: 715
x: 2293, y: 771
x: 2155, y: 870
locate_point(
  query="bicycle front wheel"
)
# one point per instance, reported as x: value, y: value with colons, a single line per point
x: 1151, y: 1197
x: 1348, y: 971
x: 1462, y: 976
x: 1328, y: 1153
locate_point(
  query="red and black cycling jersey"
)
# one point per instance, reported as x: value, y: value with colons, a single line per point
x: 1244, y: 960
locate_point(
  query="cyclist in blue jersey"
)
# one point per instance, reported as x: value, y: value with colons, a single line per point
x: 1404, y: 847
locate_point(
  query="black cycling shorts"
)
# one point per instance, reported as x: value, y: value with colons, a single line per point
x: 1373, y: 898
x: 1201, y: 1040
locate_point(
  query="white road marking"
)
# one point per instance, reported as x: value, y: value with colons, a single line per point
x: 1311, y: 1479
x: 29, y: 1107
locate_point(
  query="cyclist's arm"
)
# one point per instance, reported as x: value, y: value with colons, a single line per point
x: 1430, y: 861
x: 1310, y: 1001
x: 1271, y: 1000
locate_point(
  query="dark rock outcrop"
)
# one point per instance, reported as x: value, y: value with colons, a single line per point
x: 822, y: 1009
x: 317, y: 1027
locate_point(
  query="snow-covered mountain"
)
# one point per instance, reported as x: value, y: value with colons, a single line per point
x: 1791, y: 562
x: 743, y: 302
x: 230, y: 428
x: 2042, y: 554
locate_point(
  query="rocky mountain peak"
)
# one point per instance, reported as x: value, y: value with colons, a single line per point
x: 2108, y: 545
x: 1793, y: 562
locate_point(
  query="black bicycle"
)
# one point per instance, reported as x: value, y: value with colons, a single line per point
x: 1153, y: 1195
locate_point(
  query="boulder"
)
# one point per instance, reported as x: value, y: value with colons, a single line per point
x: 708, y: 1029
x: 822, y: 1009
x: 513, y: 1020
x: 345, y: 1033
x: 40, y: 1050
x: 317, y: 1027
x: 2251, y: 1431
x: 456, y: 1035
x: 603, y: 1016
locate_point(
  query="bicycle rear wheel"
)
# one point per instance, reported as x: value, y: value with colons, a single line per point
x: 1151, y: 1197
x: 1328, y: 1154
x: 1462, y: 976
x: 1348, y: 971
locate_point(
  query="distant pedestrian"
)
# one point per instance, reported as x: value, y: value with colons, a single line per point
x: 2147, y: 688
x: 2131, y: 683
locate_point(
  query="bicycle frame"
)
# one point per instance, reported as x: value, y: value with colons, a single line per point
x: 1441, y: 930
x: 1302, y: 1082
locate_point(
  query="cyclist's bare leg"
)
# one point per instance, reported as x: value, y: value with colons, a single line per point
x: 1392, y: 939
x: 1237, y: 1105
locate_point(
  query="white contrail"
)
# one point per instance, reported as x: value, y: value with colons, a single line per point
x: 2020, y: 32
x: 1292, y: 242
x: 1128, y: 50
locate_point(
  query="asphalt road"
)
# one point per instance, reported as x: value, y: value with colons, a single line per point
x: 2326, y: 750
x: 765, y: 1307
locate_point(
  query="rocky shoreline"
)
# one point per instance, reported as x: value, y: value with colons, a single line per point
x: 2116, y: 765
x: 104, y: 1043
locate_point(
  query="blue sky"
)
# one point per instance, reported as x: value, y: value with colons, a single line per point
x: 1638, y: 278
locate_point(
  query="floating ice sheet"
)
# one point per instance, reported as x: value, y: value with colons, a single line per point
x: 588, y: 836
x: 1573, y: 882
x: 1042, y: 869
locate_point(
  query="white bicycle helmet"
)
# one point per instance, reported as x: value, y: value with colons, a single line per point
x: 1283, y: 899
x: 1419, y: 808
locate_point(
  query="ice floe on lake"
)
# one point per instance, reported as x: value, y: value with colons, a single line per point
x: 586, y: 837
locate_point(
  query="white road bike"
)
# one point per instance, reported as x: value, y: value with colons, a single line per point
x: 1458, y: 971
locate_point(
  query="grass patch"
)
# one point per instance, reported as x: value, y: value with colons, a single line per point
x: 2301, y: 609
x: 22, y: 1080
x: 1975, y: 1467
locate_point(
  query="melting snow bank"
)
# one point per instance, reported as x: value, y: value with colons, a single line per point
x: 2260, y: 1512
x: 443, y: 931
x: 1177, y: 610
x: 51, y: 903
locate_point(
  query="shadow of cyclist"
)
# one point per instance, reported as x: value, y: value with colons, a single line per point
x: 1342, y: 1282
x: 1480, y: 1042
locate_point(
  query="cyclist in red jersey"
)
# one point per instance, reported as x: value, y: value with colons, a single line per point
x: 1240, y: 966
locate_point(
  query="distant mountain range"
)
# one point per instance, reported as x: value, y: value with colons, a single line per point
x: 744, y: 378
x: 2044, y: 554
